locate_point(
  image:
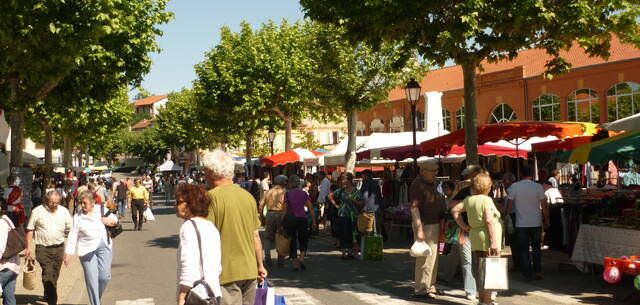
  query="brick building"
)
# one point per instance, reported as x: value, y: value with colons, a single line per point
x: 595, y: 90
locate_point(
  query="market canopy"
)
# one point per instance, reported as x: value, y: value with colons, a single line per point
x: 290, y: 156
x: 335, y: 156
x: 169, y: 166
x: 511, y: 131
x: 559, y: 144
x: 630, y: 123
x: 376, y: 142
x: 619, y: 148
x: 404, y: 152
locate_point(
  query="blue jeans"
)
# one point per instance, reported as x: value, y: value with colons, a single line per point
x: 121, y: 203
x: 529, y: 263
x: 97, y: 272
x: 467, y: 267
x: 8, y: 282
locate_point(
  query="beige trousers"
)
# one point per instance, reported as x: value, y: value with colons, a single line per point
x: 426, y: 269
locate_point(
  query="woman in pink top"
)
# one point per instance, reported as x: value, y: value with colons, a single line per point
x: 295, y: 201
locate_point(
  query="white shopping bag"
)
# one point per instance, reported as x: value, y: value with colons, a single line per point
x: 148, y: 215
x: 271, y: 296
x: 493, y: 273
x: 419, y: 249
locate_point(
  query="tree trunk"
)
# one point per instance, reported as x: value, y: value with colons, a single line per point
x: 16, y: 121
x: 350, y: 155
x: 67, y: 152
x: 86, y: 158
x: 287, y: 132
x: 48, y: 153
x: 249, y: 151
x: 470, y: 124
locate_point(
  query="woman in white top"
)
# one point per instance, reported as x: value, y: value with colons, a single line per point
x: 94, y: 245
x: 9, y: 268
x: 192, y: 204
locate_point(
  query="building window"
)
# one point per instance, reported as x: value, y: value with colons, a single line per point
x: 583, y: 106
x: 546, y: 108
x: 334, y: 135
x: 446, y: 119
x: 396, y: 124
x: 360, y: 128
x: 501, y: 114
x: 420, y: 121
x: 460, y: 118
x: 377, y: 125
x: 623, y: 100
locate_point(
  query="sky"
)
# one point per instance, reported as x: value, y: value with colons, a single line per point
x: 195, y: 29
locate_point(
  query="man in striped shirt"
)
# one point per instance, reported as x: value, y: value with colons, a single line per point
x: 49, y: 226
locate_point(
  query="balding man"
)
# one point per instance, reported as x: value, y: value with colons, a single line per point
x: 49, y: 226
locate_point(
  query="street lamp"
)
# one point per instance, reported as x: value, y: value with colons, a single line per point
x: 271, y: 136
x: 412, y: 91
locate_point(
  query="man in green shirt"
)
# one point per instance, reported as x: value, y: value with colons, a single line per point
x: 233, y: 212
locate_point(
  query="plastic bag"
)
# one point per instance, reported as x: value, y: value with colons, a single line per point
x: 148, y: 215
x: 419, y: 249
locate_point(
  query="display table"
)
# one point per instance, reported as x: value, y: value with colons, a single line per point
x: 595, y: 243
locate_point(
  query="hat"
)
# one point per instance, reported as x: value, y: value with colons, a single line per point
x: 470, y: 169
x: 428, y: 166
x: 280, y: 180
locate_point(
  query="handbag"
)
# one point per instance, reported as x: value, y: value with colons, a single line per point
x: 29, y: 275
x: 112, y: 231
x: 266, y: 295
x: 15, y: 242
x: 365, y: 222
x: 282, y: 244
x: 200, y: 293
x: 493, y: 273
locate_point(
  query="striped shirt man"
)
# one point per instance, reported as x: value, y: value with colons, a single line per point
x: 49, y: 228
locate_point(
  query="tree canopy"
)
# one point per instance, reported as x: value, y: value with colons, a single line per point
x: 469, y: 32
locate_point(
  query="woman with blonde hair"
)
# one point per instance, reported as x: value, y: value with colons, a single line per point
x: 484, y: 227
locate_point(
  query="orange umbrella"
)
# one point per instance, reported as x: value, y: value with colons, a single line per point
x: 511, y: 131
x: 568, y: 143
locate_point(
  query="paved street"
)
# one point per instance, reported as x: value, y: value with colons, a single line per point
x: 144, y: 272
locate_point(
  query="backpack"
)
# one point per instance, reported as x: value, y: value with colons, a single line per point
x: 15, y: 242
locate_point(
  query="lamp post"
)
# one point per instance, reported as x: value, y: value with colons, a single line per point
x: 271, y: 136
x: 412, y: 91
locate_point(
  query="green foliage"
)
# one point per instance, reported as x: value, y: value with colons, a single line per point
x: 354, y: 76
x: 148, y: 145
x: 470, y: 31
x: 142, y: 93
x: 307, y: 141
x: 181, y: 124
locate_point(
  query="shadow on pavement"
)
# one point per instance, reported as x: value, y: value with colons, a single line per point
x: 164, y: 210
x: 165, y: 242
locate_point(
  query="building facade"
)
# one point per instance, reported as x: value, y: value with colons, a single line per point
x: 594, y: 90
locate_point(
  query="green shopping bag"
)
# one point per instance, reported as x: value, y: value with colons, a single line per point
x: 371, y: 247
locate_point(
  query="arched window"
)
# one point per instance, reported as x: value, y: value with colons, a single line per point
x: 623, y: 100
x: 446, y: 119
x: 460, y: 118
x: 396, y: 124
x: 377, y: 125
x: 546, y: 108
x: 583, y: 106
x: 502, y: 113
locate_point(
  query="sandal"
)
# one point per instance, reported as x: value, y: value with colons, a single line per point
x: 440, y: 292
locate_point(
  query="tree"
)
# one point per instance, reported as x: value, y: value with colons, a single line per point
x: 230, y: 91
x: 148, y: 145
x: 43, y: 41
x: 181, y: 125
x: 308, y: 141
x: 353, y: 77
x: 470, y: 32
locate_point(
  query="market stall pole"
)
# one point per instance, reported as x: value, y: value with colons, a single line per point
x: 412, y: 90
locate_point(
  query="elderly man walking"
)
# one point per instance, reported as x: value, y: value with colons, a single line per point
x: 273, y: 201
x: 427, y: 209
x: 233, y: 212
x: 48, y: 226
x: 139, y: 200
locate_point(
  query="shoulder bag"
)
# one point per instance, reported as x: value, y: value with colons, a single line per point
x: 113, y: 231
x: 15, y: 242
x: 289, y: 220
x: 200, y: 293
